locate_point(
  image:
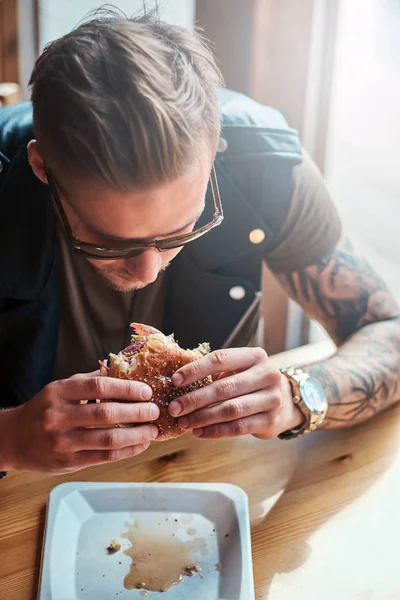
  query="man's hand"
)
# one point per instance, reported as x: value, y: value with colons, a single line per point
x: 248, y: 395
x: 59, y: 432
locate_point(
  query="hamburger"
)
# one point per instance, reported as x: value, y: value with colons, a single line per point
x: 153, y: 358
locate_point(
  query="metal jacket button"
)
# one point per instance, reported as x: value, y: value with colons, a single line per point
x: 237, y: 292
x: 257, y: 236
x: 222, y: 145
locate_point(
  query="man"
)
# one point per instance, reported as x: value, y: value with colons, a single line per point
x: 105, y: 194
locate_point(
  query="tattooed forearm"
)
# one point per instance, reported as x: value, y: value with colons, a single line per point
x: 352, y: 302
x: 363, y: 378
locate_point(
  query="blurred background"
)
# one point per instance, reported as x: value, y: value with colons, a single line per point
x: 331, y: 66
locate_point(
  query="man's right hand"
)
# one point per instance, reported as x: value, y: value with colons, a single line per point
x: 49, y: 433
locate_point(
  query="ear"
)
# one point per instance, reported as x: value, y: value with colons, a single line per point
x: 36, y: 161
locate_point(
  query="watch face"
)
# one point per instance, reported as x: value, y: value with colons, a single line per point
x: 313, y: 394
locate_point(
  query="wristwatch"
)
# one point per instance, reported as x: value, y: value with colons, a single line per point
x: 309, y: 396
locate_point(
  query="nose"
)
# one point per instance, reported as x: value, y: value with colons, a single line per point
x: 146, y: 266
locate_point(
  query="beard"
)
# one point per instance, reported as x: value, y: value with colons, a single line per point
x: 125, y: 282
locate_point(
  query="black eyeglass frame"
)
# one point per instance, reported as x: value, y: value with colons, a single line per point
x: 130, y: 249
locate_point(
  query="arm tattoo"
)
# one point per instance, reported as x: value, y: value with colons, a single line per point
x: 352, y: 302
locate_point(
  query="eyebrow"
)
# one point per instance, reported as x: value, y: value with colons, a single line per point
x: 114, y: 238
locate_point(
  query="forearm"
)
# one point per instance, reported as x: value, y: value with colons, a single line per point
x: 363, y: 377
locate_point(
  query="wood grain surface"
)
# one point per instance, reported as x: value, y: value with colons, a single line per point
x: 324, y: 509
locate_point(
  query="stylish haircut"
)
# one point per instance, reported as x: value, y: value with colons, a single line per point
x: 126, y: 102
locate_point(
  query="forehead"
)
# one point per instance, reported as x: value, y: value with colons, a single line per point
x: 144, y: 213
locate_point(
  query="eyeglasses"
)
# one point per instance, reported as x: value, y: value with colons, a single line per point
x: 131, y: 248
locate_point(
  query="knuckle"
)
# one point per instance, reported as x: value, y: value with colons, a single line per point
x: 271, y: 378
x: 276, y: 401
x: 96, y: 386
x: 215, y: 431
x: 219, y: 357
x: 233, y: 410
x: 275, y: 377
x: 225, y: 389
x: 192, y: 401
x: 112, y: 456
x: 49, y: 393
x: 259, y: 354
x: 48, y: 419
x: 110, y: 439
x: 105, y: 413
x: 192, y: 367
x: 143, y: 434
x: 239, y: 427
x: 142, y: 412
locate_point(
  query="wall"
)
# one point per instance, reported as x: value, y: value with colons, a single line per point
x: 56, y: 17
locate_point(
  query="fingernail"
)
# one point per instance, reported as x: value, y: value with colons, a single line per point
x: 183, y: 422
x: 154, y: 432
x: 199, y: 432
x: 177, y: 379
x: 175, y: 408
x: 146, y: 392
x: 154, y: 412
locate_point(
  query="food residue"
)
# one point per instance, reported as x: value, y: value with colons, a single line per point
x: 160, y: 560
x: 113, y: 547
x: 218, y: 566
x: 190, y: 571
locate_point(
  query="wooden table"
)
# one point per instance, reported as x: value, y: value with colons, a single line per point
x: 324, y: 509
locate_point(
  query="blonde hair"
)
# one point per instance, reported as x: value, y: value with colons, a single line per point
x: 127, y: 102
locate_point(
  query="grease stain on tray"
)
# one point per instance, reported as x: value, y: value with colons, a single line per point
x: 159, y: 558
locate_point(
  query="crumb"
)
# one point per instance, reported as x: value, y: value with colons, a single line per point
x: 120, y: 563
x: 190, y: 571
x: 218, y: 566
x: 213, y: 529
x: 113, y: 547
x: 176, y: 520
x: 226, y: 535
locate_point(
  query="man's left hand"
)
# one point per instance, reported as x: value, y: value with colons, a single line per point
x: 247, y: 396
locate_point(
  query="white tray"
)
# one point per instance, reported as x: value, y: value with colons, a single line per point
x: 82, y: 519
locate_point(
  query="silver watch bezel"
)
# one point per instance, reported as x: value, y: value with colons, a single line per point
x: 306, y: 377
